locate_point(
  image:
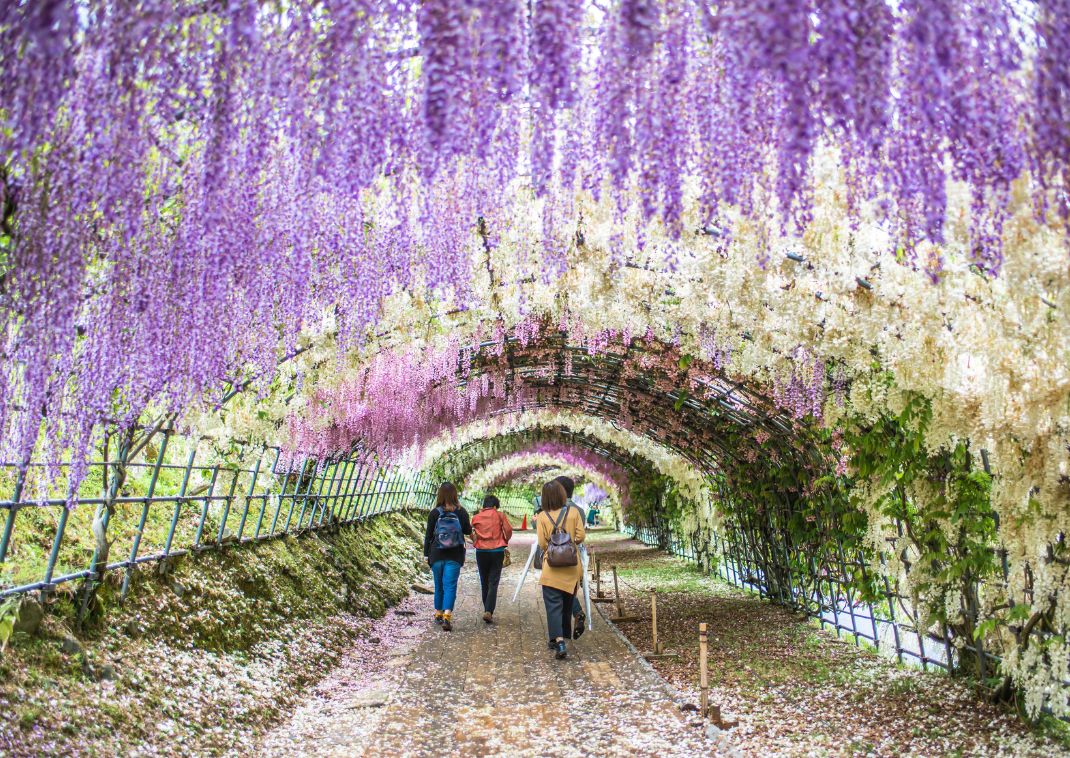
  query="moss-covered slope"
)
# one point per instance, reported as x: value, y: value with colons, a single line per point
x: 205, y: 652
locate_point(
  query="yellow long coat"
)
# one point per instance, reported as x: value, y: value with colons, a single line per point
x: 564, y: 578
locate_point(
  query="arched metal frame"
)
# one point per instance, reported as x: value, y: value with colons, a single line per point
x: 467, y: 458
x: 753, y: 549
x: 706, y: 430
x: 703, y: 431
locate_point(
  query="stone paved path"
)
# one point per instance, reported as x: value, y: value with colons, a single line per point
x: 496, y: 690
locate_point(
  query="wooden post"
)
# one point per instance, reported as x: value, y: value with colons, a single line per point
x: 659, y: 652
x: 616, y: 594
x: 709, y: 711
x: 703, y: 675
x: 620, y: 607
x: 654, y: 621
x: 599, y: 595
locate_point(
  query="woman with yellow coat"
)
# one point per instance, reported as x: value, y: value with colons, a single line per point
x: 559, y: 583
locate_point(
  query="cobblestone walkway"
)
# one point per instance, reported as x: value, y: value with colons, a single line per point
x: 496, y: 690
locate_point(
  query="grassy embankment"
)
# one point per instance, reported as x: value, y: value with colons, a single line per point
x: 207, y: 650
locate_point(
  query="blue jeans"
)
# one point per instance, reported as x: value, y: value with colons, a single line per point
x: 446, y: 573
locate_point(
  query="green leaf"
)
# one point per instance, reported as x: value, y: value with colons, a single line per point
x: 1020, y: 612
x: 984, y: 628
x: 9, y: 612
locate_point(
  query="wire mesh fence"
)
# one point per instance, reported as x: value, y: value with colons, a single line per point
x: 166, y: 501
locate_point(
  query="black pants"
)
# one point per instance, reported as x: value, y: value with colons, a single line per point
x: 558, y: 605
x: 490, y: 573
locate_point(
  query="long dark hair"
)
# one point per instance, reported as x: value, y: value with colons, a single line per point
x: 553, y: 496
x: 447, y: 495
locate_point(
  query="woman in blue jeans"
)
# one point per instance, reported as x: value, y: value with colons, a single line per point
x: 447, y: 526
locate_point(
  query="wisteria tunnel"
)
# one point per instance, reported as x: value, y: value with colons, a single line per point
x: 781, y: 286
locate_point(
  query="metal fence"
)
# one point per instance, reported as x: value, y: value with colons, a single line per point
x: 166, y: 503
x: 825, y: 594
x: 517, y: 507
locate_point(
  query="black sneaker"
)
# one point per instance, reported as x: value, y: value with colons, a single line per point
x: 562, y: 651
x: 551, y: 646
x: 579, y: 625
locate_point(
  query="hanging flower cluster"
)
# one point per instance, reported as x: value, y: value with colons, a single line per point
x: 591, y: 494
x: 186, y: 187
x: 556, y: 459
x: 733, y: 210
x: 663, y: 460
x: 398, y: 400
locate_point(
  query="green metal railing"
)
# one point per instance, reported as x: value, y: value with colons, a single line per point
x: 517, y: 507
x: 166, y: 503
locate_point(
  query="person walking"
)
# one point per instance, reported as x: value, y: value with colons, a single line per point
x: 579, y: 624
x: 447, y: 525
x: 491, y: 532
x: 560, y: 532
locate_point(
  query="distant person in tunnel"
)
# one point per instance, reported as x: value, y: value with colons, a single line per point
x: 447, y: 525
x: 560, y: 531
x: 580, y: 623
x: 491, y: 532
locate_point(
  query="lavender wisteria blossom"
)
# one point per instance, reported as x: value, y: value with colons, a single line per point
x: 186, y: 187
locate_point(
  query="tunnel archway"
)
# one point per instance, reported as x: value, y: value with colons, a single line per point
x: 826, y: 321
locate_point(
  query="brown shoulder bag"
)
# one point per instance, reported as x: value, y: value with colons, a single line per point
x: 507, y: 558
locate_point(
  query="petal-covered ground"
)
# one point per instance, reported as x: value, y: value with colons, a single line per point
x: 799, y: 690
x: 496, y: 690
x: 400, y: 686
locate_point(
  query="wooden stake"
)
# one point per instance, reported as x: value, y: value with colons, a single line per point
x: 658, y: 647
x: 659, y: 652
x: 599, y: 595
x: 703, y: 675
x: 620, y: 608
x: 616, y: 593
x: 711, y: 712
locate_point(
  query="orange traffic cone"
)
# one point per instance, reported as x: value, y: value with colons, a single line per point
x: 524, y: 526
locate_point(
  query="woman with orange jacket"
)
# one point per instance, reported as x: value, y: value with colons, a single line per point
x: 491, y: 532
